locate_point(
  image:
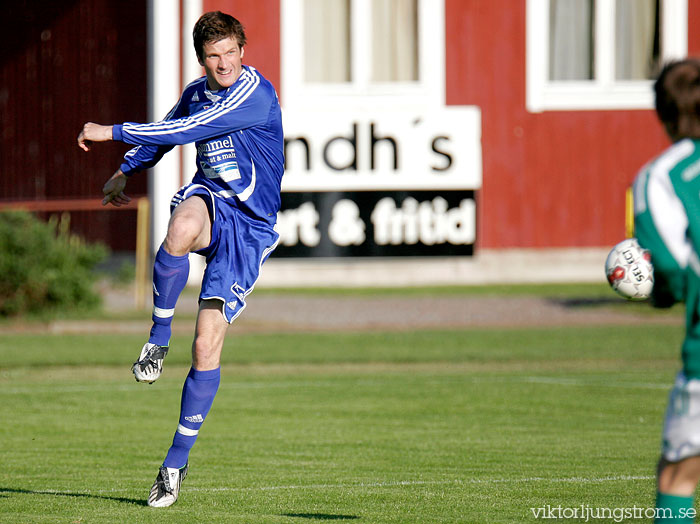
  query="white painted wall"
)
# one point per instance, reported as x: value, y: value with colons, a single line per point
x: 164, y: 88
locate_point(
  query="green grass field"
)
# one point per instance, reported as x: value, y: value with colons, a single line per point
x: 474, y: 425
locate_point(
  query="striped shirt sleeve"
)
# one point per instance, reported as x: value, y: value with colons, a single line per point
x: 146, y: 156
x: 661, y: 223
x: 244, y: 107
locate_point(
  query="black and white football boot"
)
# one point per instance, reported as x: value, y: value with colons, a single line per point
x: 166, y: 488
x: 150, y: 363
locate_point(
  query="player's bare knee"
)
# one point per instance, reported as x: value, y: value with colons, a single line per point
x: 183, y: 233
x: 679, y: 478
x: 665, y: 475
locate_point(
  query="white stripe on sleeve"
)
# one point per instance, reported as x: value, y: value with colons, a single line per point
x: 666, y: 208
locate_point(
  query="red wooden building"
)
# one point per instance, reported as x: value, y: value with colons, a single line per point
x: 417, y: 127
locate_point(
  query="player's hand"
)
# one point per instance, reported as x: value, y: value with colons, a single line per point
x: 93, y: 133
x: 114, y: 190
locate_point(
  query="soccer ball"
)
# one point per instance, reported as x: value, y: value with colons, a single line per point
x: 629, y: 270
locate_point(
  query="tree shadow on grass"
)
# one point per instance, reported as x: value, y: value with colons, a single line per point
x: 5, y: 491
x: 320, y: 516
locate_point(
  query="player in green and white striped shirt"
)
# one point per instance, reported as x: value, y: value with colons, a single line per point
x: 667, y: 223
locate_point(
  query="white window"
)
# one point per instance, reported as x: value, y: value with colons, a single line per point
x: 363, y: 53
x: 600, y: 54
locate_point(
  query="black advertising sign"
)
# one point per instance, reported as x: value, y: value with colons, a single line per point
x: 376, y: 223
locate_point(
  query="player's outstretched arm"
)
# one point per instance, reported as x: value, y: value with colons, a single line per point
x: 93, y: 133
x: 114, y: 190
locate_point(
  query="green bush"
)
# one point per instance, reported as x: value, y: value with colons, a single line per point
x: 43, y: 267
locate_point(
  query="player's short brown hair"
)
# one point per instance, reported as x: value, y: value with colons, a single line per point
x: 677, y: 92
x: 214, y: 26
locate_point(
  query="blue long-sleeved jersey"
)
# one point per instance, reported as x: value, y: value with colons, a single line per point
x: 238, y: 135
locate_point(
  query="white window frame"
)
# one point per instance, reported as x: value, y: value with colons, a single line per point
x: 604, y: 91
x: 427, y: 91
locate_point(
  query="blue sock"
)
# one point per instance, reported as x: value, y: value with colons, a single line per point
x: 197, y: 396
x: 169, y: 278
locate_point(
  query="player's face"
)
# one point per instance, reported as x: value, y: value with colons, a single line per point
x: 222, y: 62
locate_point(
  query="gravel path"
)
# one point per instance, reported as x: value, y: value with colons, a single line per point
x: 329, y: 313
x: 290, y: 312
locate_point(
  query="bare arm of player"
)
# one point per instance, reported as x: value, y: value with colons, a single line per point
x: 114, y: 190
x: 93, y: 133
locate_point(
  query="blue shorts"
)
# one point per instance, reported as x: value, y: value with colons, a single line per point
x: 239, y: 246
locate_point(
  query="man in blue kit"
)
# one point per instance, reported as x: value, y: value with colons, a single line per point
x: 226, y: 214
